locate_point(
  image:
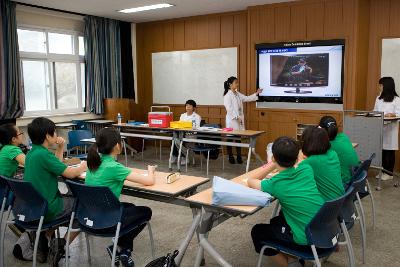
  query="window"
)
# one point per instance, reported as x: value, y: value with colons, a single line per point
x: 53, y: 71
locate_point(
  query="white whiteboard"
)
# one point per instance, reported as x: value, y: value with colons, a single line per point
x: 390, y: 62
x: 193, y: 74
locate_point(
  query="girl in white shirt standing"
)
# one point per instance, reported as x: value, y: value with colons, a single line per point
x: 233, y: 102
x: 388, y: 102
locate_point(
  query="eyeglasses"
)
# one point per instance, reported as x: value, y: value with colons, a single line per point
x: 21, y: 133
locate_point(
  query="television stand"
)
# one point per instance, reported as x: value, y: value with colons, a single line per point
x: 298, y: 91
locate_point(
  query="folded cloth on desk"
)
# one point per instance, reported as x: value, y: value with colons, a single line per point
x: 226, y: 193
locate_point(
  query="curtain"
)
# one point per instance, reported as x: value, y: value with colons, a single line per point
x: 128, y: 85
x: 11, y: 94
x: 103, y: 61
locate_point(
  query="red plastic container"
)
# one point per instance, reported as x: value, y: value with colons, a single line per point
x: 160, y: 119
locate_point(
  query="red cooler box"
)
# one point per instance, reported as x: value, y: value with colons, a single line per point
x: 160, y: 119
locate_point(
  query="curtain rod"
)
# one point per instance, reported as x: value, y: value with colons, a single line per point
x: 49, y: 8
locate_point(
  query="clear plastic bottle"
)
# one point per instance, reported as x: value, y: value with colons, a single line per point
x: 119, y: 118
x: 194, y: 124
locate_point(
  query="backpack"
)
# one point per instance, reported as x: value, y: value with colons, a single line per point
x: 164, y: 261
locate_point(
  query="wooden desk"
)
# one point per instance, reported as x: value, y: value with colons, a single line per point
x: 211, y: 216
x: 177, y: 136
x: 66, y: 125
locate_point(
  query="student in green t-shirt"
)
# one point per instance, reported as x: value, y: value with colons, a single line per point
x: 297, y: 192
x: 10, y: 154
x: 104, y: 170
x: 342, y: 145
x: 324, y: 162
x: 42, y: 168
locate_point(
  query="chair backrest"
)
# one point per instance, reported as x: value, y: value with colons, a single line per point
x: 80, y: 125
x: 75, y: 137
x: 28, y: 204
x: 347, y: 212
x: 4, y: 188
x: 364, y: 166
x: 96, y: 206
x: 359, y: 182
x: 324, y: 228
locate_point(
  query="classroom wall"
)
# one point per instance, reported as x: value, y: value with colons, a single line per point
x: 300, y: 20
x: 384, y: 23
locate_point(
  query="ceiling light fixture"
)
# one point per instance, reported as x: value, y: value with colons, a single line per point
x: 145, y: 8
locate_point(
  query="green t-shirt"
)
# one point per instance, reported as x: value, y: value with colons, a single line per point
x: 110, y: 173
x: 347, y: 155
x: 327, y: 175
x: 42, y: 169
x: 298, y: 195
x: 8, y: 164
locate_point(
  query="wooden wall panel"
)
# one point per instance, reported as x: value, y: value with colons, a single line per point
x: 179, y: 35
x: 191, y: 34
x: 266, y: 24
x: 282, y: 23
x: 168, y: 36
x: 227, y: 31
x: 202, y: 33
x: 214, y: 31
x: 315, y: 20
x: 333, y: 19
x: 298, y: 22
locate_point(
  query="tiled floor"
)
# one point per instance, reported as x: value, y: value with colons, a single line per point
x: 232, y: 238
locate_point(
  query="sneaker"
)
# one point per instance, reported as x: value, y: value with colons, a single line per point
x: 57, y: 251
x: 231, y: 159
x: 174, y: 159
x: 126, y: 258
x: 239, y: 160
x: 386, y: 177
x: 110, y: 252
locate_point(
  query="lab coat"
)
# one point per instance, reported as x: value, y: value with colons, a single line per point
x: 196, y: 117
x: 390, y: 129
x: 233, y: 103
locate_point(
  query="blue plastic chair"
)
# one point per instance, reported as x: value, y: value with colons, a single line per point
x: 74, y: 142
x: 6, y: 200
x: 97, y: 209
x: 29, y: 209
x: 80, y: 125
x: 322, y: 234
x: 203, y: 149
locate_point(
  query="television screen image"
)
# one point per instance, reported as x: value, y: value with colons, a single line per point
x: 301, y: 71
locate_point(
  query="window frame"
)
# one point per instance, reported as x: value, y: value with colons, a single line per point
x: 50, y: 58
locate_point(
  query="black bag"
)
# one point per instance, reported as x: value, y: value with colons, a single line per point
x: 164, y: 261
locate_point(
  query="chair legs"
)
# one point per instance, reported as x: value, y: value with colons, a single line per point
x: 3, y: 233
x: 362, y: 228
x: 68, y: 239
x: 35, y: 248
x: 316, y: 259
x: 115, y: 244
x: 348, y: 244
x: 151, y: 241
x: 142, y: 149
x: 372, y: 203
x: 208, y: 160
x: 260, y: 258
x: 88, y: 248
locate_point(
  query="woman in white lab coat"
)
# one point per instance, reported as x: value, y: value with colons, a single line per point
x: 233, y: 102
x: 388, y: 102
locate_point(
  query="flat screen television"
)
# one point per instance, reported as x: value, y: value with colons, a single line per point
x: 303, y: 71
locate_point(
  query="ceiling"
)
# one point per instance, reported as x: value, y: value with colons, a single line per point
x: 182, y: 8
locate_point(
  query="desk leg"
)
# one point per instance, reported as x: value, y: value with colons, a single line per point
x: 185, y: 243
x: 170, y: 154
x: 178, y: 162
x: 248, y: 160
x: 126, y: 156
x: 204, y: 229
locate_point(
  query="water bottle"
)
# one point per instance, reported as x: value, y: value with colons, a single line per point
x: 119, y: 118
x: 193, y: 124
x: 269, y: 152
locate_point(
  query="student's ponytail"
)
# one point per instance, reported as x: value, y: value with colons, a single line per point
x: 106, y: 140
x: 329, y: 124
x: 227, y: 84
x: 93, y: 158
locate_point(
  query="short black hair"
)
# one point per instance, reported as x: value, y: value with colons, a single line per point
x: 191, y: 102
x: 315, y: 141
x: 329, y: 124
x: 7, y: 132
x: 39, y: 128
x: 285, y: 151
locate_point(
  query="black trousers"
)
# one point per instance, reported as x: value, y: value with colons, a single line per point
x: 238, y: 149
x: 388, y: 160
x: 277, y: 231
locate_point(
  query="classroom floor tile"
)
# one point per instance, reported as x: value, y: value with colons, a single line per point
x: 232, y: 238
